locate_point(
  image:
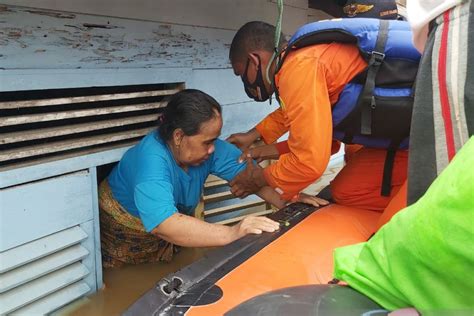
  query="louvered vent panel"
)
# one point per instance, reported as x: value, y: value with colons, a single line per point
x: 55, y: 300
x: 45, y: 274
x: 53, y: 123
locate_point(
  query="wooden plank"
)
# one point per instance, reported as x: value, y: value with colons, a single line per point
x: 53, y: 147
x: 214, y: 184
x: 231, y: 208
x: 239, y: 218
x: 43, y: 266
x: 61, y: 115
x: 42, y: 133
x: 55, y: 300
x: 40, y: 248
x: 32, y: 291
x: 66, y: 78
x: 46, y: 167
x: 83, y: 99
x: 44, y: 207
x: 212, y: 177
x: 216, y: 197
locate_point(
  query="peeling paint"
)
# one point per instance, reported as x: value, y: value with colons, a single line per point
x: 4, y: 8
x: 99, y: 26
x: 14, y: 34
x: 59, y: 15
x: 98, y: 60
x: 75, y: 26
x: 105, y: 42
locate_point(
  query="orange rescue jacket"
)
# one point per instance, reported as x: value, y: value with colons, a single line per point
x: 309, y: 83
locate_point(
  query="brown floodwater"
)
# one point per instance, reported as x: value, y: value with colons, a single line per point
x: 124, y: 285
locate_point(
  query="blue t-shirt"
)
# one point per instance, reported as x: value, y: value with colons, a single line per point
x: 150, y: 185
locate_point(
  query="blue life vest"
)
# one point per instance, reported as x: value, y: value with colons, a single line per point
x: 375, y: 108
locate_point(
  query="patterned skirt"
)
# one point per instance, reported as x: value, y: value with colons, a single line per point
x: 123, y: 237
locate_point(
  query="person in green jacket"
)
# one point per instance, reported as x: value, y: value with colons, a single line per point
x: 424, y: 257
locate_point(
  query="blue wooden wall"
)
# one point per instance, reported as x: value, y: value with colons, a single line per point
x: 42, y: 49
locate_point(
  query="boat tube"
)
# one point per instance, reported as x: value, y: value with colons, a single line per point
x: 291, y: 267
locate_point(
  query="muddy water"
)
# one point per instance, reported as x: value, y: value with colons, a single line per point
x: 123, y: 286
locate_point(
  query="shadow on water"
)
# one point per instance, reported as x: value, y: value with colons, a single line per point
x: 123, y: 286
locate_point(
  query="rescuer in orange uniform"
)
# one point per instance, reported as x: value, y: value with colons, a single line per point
x: 309, y: 83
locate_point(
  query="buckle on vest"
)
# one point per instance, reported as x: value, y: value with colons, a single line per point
x: 377, y: 57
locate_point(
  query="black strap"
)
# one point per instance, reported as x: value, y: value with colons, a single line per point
x: 348, y: 137
x: 366, y: 101
x: 279, y: 59
x: 388, y: 168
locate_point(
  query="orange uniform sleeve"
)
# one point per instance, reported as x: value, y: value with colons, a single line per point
x: 304, y: 92
x: 273, y: 126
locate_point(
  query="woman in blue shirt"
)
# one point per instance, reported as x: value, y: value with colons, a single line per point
x: 147, y: 202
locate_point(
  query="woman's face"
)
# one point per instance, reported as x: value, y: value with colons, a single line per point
x: 194, y: 150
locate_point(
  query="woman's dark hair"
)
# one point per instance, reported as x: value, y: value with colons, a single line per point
x: 187, y: 110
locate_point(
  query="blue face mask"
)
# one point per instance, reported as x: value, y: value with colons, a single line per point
x: 258, y: 85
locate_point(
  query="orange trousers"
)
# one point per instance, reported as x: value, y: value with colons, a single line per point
x: 359, y: 183
x: 397, y: 203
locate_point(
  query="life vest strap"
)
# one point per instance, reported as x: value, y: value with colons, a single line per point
x: 388, y: 167
x: 366, y: 101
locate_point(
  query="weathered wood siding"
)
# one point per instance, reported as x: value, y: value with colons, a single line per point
x: 110, y: 42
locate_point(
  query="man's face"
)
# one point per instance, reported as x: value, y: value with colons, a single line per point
x: 240, y: 67
x: 251, y: 71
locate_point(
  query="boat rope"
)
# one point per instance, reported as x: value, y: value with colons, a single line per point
x: 277, y: 39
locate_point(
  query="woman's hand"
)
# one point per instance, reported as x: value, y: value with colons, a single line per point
x: 244, y: 140
x: 187, y: 231
x: 309, y: 199
x: 254, y: 225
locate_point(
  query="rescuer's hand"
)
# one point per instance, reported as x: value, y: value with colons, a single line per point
x: 260, y: 153
x: 244, y: 140
x: 309, y: 199
x: 248, y: 181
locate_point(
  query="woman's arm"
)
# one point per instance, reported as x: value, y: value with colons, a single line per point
x: 187, y: 231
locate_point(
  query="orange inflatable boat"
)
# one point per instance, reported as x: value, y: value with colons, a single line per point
x: 265, y: 271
